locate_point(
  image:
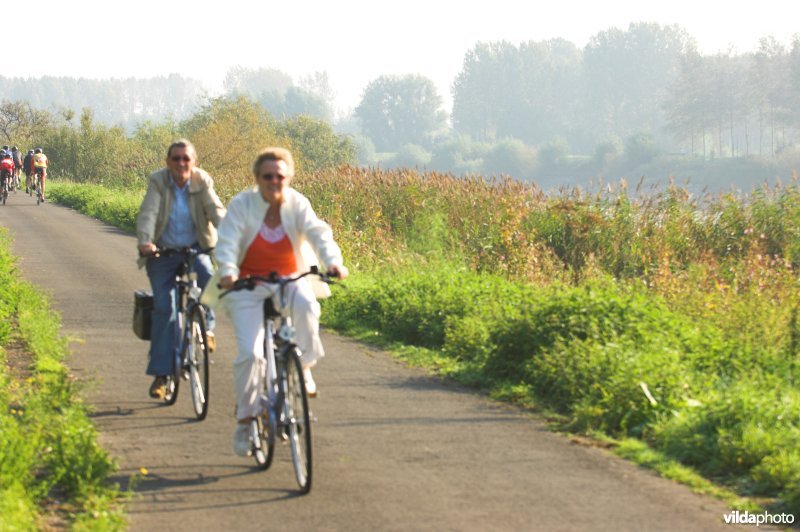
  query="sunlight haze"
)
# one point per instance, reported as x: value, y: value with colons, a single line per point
x: 353, y: 41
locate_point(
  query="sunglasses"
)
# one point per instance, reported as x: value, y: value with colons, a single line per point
x: 270, y: 177
x: 179, y: 158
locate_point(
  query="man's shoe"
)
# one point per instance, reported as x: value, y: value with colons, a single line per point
x: 241, y: 440
x: 212, y: 341
x: 311, y: 386
x: 159, y: 388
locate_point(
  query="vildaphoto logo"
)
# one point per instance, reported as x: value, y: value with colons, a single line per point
x: 748, y: 518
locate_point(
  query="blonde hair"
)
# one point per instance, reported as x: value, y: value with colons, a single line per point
x: 274, y: 154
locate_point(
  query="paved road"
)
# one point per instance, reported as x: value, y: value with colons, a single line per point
x: 395, y: 449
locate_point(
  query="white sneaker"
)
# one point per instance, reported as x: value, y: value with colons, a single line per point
x: 241, y: 440
x: 311, y: 386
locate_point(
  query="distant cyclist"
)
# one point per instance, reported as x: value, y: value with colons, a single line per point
x: 27, y: 165
x: 40, y: 167
x: 16, y: 155
x: 6, y: 169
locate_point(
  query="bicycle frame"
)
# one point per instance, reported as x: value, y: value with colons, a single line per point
x: 187, y: 303
x: 39, y: 175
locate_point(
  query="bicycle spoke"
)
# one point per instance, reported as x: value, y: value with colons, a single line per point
x: 298, y: 420
x: 197, y: 355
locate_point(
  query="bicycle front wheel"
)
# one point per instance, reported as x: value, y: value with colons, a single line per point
x: 197, y: 358
x: 263, y: 442
x: 298, y: 420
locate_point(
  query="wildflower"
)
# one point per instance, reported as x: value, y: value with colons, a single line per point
x: 143, y: 471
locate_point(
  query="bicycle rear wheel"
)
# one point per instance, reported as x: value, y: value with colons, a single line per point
x: 298, y: 420
x: 198, y: 362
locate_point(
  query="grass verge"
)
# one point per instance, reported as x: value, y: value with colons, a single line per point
x: 52, y: 471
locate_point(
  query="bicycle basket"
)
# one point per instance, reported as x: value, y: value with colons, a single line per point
x: 142, y: 313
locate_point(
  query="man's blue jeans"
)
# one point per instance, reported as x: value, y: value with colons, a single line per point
x: 164, y: 332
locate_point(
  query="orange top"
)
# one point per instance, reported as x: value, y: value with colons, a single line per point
x: 263, y: 257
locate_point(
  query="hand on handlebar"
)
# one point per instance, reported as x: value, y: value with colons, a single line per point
x: 226, y: 283
x: 148, y: 249
x: 339, y: 272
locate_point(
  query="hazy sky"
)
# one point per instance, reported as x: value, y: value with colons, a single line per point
x: 355, y: 41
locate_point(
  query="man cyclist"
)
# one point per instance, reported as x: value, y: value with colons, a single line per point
x: 40, y: 167
x: 16, y: 155
x: 180, y: 209
x: 27, y: 165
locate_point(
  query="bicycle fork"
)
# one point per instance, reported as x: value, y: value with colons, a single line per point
x: 272, y: 396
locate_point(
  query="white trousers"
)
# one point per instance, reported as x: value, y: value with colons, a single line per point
x: 246, y: 310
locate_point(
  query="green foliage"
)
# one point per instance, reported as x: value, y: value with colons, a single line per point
x: 411, y: 156
x: 608, y: 356
x: 509, y: 157
x: 458, y: 154
x: 320, y: 147
x: 118, y: 207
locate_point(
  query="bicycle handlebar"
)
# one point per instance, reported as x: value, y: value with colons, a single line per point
x: 166, y: 252
x: 250, y: 282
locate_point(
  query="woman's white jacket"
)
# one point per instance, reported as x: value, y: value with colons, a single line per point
x: 311, y: 238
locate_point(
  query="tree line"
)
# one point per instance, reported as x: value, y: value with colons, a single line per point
x: 648, y: 82
x: 623, y: 104
x: 227, y: 132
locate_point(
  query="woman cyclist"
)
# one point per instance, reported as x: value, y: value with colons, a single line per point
x: 272, y: 228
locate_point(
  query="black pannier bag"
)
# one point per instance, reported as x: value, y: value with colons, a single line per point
x: 142, y: 313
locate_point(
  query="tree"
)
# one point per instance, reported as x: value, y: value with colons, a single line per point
x: 241, y: 81
x: 295, y: 101
x: 510, y: 157
x: 526, y: 92
x: 399, y: 110
x: 627, y: 75
x: 228, y: 133
x: 19, y: 122
x: 770, y: 86
x: 320, y: 146
x: 688, y: 103
x: 489, y: 73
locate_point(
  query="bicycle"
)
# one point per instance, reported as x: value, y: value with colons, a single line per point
x: 5, y: 178
x: 283, y: 392
x: 191, y: 360
x: 38, y: 186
